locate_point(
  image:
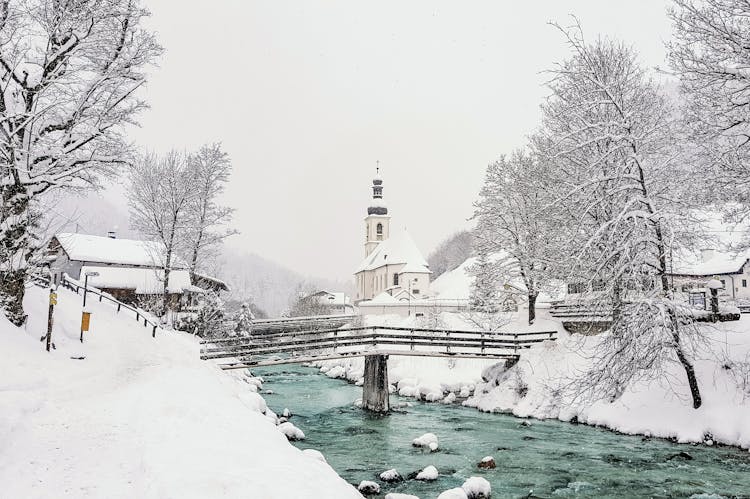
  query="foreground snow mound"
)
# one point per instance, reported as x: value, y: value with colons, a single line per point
x: 428, y: 474
x: 428, y: 440
x: 476, y: 487
x: 137, y: 417
x: 315, y: 454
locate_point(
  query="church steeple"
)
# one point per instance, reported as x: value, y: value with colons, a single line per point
x: 377, y: 221
x: 377, y: 207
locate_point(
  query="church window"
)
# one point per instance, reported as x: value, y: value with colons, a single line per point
x: 395, y: 279
x: 415, y: 291
x: 379, y: 231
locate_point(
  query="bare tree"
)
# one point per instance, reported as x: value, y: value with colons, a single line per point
x: 610, y: 134
x: 210, y: 169
x: 69, y: 72
x: 160, y: 193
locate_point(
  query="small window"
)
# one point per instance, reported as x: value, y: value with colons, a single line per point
x: 415, y: 291
x: 395, y: 279
x: 379, y: 232
x: 744, y: 283
x: 723, y: 283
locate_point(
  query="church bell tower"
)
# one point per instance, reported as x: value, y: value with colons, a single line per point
x: 377, y: 222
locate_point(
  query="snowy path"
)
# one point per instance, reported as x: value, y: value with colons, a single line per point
x: 139, y: 417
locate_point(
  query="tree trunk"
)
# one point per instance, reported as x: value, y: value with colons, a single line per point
x: 14, y: 237
x: 532, y: 308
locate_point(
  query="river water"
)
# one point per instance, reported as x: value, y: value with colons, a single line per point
x: 546, y: 459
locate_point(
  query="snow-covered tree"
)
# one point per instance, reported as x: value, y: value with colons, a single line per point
x: 451, y: 253
x: 514, y: 220
x: 243, y: 319
x: 484, y: 293
x: 160, y: 192
x: 210, y: 169
x: 69, y: 72
x: 610, y: 134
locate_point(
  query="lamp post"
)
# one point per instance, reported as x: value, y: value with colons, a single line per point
x: 86, y: 284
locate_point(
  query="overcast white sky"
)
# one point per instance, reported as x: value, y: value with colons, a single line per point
x: 306, y: 96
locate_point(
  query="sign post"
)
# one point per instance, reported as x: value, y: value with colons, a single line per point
x: 85, y: 322
x: 52, y: 303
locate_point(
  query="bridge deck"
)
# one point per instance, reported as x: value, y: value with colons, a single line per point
x: 289, y: 347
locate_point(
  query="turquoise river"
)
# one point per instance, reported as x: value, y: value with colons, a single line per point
x: 545, y: 459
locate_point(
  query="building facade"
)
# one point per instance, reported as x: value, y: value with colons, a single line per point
x: 393, y: 264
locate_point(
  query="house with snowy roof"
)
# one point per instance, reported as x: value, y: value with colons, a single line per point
x: 692, y: 271
x: 393, y: 264
x: 127, y: 269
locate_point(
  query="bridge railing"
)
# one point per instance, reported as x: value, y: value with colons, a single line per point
x: 307, y: 345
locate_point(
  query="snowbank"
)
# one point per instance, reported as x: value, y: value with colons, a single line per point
x: 532, y: 388
x: 136, y: 417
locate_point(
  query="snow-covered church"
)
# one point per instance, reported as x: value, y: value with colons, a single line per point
x: 393, y: 266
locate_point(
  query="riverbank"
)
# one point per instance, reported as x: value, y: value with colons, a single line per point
x: 536, y: 386
x: 127, y: 415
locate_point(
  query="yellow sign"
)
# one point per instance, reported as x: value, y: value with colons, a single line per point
x: 85, y: 321
x: 53, y: 298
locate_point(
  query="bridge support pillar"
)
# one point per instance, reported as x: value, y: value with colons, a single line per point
x: 375, y: 389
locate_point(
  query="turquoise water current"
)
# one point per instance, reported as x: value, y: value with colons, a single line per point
x: 546, y: 459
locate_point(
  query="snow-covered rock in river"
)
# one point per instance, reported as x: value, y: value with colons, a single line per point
x: 315, y: 454
x: 368, y: 488
x: 291, y: 431
x: 477, y: 487
x: 391, y: 475
x: 449, y: 399
x: 457, y: 493
x: 286, y: 413
x: 425, y: 441
x: 487, y: 463
x: 396, y: 495
x: 429, y: 473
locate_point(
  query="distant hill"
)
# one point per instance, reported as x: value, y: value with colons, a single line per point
x: 268, y: 284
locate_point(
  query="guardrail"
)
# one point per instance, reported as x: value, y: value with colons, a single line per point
x: 75, y: 286
x: 306, y: 346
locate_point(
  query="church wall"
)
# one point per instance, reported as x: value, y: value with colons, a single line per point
x: 419, y: 282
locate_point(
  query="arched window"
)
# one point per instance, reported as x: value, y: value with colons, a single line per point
x: 379, y: 231
x: 395, y: 279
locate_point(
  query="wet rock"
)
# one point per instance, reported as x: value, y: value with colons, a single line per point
x: 682, y: 455
x: 525, y: 423
x: 391, y: 476
x: 504, y: 448
x: 487, y: 463
x: 368, y: 488
x: 528, y: 437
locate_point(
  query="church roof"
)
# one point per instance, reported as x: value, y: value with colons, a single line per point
x: 398, y: 249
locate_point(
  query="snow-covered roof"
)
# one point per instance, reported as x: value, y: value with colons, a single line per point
x: 335, y: 298
x: 382, y: 299
x: 142, y: 281
x: 218, y: 282
x: 719, y: 262
x: 398, y: 249
x: 100, y: 249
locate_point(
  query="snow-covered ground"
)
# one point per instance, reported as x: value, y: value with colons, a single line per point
x: 137, y: 417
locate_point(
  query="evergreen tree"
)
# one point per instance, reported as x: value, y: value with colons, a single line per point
x: 484, y: 294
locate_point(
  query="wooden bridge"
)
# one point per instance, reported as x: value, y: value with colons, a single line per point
x: 268, y: 346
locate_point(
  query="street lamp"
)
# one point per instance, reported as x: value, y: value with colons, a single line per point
x: 86, y: 284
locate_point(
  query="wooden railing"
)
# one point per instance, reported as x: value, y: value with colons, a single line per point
x: 285, y: 347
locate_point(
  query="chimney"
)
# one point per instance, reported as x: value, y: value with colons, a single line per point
x: 707, y: 254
